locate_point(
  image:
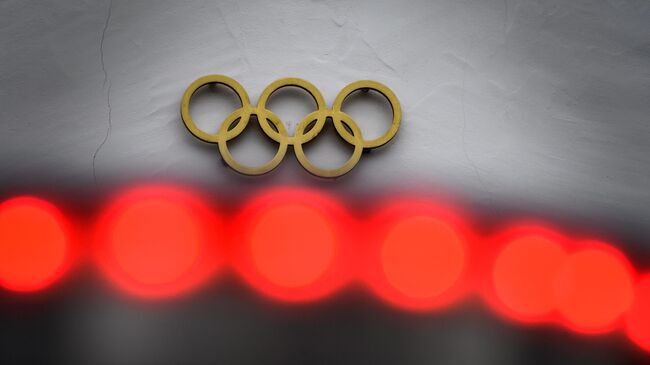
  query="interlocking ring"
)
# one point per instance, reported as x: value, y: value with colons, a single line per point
x: 308, y: 128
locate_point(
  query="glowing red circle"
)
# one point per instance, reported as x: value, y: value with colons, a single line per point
x: 157, y: 241
x: 594, y: 288
x: 34, y: 244
x: 288, y: 244
x: 280, y: 251
x: 637, y: 320
x: 524, y: 276
x: 422, y: 257
x: 417, y: 255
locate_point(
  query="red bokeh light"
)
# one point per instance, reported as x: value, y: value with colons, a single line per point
x: 637, y: 320
x: 594, y: 288
x: 522, y: 272
x: 417, y: 255
x: 158, y: 241
x: 299, y: 245
x: 35, y: 244
x: 291, y: 244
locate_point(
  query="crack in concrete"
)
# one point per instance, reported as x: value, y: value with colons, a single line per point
x: 108, y: 90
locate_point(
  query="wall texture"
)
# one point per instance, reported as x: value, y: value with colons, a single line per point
x: 515, y: 107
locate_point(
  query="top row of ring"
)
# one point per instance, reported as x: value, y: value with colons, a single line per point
x: 310, y: 126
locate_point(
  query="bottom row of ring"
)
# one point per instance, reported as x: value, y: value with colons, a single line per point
x: 300, y: 245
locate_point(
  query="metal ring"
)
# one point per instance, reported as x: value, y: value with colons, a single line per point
x: 383, y: 90
x: 242, y: 113
x: 319, y: 171
x: 310, y: 126
x: 279, y: 84
x: 247, y: 169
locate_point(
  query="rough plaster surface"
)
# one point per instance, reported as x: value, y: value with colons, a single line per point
x: 535, y: 106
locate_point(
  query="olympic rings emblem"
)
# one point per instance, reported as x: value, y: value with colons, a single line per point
x: 308, y: 128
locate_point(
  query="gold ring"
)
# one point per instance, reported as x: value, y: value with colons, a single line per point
x: 310, y: 126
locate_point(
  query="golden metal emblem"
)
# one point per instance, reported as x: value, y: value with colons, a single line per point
x: 308, y: 128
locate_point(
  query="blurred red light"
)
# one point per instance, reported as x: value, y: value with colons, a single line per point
x: 637, y: 321
x: 157, y: 241
x: 299, y: 245
x: 594, y: 288
x: 417, y: 256
x: 524, y: 272
x: 280, y: 251
x: 289, y: 244
x: 34, y: 244
x: 422, y: 257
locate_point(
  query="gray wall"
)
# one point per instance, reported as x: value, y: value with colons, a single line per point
x: 536, y: 108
